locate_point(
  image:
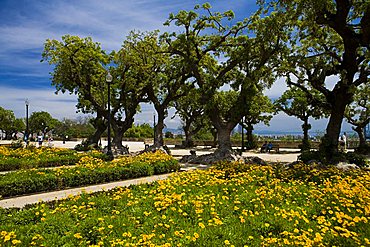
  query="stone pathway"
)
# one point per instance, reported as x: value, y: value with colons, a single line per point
x: 21, y: 201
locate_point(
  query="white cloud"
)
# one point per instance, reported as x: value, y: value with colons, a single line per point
x: 59, y: 106
x: 277, y: 89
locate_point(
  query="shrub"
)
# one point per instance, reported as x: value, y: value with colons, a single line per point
x: 358, y: 159
x: 354, y: 158
x: 307, y: 156
x: 95, y: 171
x: 16, y: 144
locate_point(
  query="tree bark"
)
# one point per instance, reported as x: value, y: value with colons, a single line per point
x: 118, y: 136
x: 100, y: 127
x: 249, y: 135
x: 305, y: 127
x: 224, y: 137
x: 329, y: 143
x: 188, y: 139
x: 158, y: 138
x: 119, y: 128
x: 362, y: 146
x: 361, y: 136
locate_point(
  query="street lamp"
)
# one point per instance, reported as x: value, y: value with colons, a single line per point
x: 242, y: 122
x: 26, y: 133
x: 109, y: 79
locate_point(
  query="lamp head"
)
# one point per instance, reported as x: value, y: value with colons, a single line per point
x: 109, y: 77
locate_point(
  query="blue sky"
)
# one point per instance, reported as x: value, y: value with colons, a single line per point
x: 26, y: 24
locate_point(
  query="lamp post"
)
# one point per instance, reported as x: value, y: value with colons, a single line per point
x: 109, y: 79
x: 26, y: 133
x: 242, y: 134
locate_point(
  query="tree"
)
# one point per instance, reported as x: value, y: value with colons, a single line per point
x: 81, y: 128
x: 330, y: 39
x: 191, y: 113
x: 294, y: 102
x: 9, y: 124
x: 358, y: 114
x: 42, y: 122
x: 245, y: 60
x: 169, y: 82
x: 139, y: 65
x: 260, y: 111
x: 81, y: 69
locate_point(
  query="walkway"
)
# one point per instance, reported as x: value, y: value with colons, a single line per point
x: 21, y: 201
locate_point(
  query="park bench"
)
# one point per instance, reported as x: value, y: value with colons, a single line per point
x: 275, y: 147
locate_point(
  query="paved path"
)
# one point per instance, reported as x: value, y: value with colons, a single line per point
x: 22, y: 201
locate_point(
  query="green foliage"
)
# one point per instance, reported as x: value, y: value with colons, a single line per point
x: 350, y: 157
x: 296, y: 102
x: 81, y: 128
x: 42, y: 122
x: 259, y: 110
x: 85, y: 146
x: 169, y: 134
x: 191, y: 112
x: 249, y: 145
x: 48, y: 158
x: 204, y: 134
x: 319, y: 50
x: 139, y: 131
x: 306, y: 156
x: 9, y: 124
x: 358, y: 159
x: 38, y: 180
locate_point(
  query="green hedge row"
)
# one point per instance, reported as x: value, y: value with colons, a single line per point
x: 41, y: 180
x: 16, y: 163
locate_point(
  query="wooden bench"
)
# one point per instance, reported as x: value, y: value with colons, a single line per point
x: 276, y: 148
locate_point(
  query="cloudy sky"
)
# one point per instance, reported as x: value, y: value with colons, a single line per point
x: 26, y: 24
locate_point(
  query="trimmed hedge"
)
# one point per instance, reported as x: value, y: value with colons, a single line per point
x: 62, y: 159
x: 41, y: 180
x: 350, y: 157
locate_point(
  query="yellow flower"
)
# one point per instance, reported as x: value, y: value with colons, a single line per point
x: 77, y: 235
x: 227, y: 242
x: 201, y: 225
x: 16, y: 241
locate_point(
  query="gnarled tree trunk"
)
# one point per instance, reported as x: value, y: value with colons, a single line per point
x: 158, y: 138
x: 305, y: 142
x: 100, y: 127
x: 224, y: 136
x: 362, y: 146
x: 329, y: 143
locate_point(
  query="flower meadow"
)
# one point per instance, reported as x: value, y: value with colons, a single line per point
x: 230, y: 204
